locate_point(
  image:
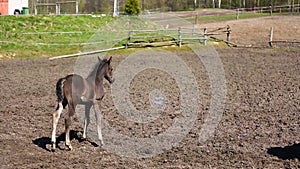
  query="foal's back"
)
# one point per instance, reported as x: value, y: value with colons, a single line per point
x: 70, y: 89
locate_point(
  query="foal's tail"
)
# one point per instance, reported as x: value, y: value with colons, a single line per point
x: 59, y: 89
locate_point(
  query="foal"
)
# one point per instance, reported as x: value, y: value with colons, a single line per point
x: 73, y: 89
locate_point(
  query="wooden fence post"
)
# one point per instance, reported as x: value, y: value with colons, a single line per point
x: 271, y: 8
x: 57, y: 6
x: 237, y: 14
x: 205, y: 36
x: 194, y: 30
x: 35, y: 9
x: 228, y: 33
x: 179, y: 37
x: 128, y: 39
x: 271, y: 37
x: 195, y: 24
x: 76, y: 8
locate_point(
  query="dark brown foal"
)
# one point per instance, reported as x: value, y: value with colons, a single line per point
x: 73, y: 90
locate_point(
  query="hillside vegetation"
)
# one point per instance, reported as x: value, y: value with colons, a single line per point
x: 38, y: 36
x: 50, y: 35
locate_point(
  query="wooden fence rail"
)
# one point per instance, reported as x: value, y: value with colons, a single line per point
x: 272, y: 41
x: 57, y: 6
x: 178, y: 37
x: 269, y: 9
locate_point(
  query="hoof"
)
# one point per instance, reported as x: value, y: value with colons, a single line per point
x: 83, y: 99
x: 70, y: 148
x: 101, y: 143
x: 53, y: 146
x: 82, y: 139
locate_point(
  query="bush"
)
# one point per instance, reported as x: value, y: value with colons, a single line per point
x: 132, y: 7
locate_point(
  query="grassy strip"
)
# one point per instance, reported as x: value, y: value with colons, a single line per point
x: 37, y: 36
x: 226, y: 17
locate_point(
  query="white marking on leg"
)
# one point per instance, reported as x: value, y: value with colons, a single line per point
x: 86, y: 120
x: 67, y: 131
x: 98, y: 121
x: 56, y: 116
x: 85, y: 127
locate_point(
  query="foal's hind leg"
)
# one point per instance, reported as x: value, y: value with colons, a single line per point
x: 56, y: 116
x: 71, y: 112
x: 67, y: 130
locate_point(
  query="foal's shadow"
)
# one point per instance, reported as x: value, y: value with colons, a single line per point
x: 287, y: 152
x: 45, y: 142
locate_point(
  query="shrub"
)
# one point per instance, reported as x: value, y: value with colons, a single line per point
x: 132, y: 7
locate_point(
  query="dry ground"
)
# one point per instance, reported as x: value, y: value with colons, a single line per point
x: 259, y: 128
x: 255, y: 32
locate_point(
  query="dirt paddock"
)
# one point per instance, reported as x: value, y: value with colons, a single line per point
x: 259, y: 127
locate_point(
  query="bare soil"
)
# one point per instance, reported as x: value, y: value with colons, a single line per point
x: 255, y: 32
x: 259, y: 129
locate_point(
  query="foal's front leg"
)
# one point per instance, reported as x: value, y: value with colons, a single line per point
x: 86, y: 119
x: 98, y: 121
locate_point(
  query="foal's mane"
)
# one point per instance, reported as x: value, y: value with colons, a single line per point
x: 98, y: 66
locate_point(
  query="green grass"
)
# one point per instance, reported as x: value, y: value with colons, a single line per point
x: 227, y: 17
x: 43, y: 39
x: 36, y: 36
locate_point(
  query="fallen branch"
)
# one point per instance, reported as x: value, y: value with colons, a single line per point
x: 228, y: 43
x: 86, y: 53
x: 153, y: 44
x: 285, y: 41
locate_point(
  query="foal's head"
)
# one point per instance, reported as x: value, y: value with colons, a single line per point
x: 104, y: 70
x: 108, y: 75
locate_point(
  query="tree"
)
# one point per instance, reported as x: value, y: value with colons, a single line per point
x: 132, y: 7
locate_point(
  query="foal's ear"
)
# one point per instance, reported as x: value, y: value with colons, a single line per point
x: 109, y: 60
x: 99, y: 59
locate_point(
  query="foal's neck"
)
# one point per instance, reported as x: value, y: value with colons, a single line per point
x: 95, y: 80
x: 96, y: 77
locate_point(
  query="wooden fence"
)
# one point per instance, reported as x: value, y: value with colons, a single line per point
x: 165, y: 37
x: 269, y: 9
x: 48, y: 8
x: 180, y: 36
x: 282, y: 41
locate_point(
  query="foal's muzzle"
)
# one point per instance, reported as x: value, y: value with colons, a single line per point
x: 110, y: 80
